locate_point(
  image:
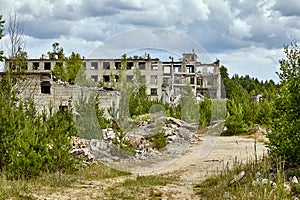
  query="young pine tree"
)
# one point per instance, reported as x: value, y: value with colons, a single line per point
x: 284, y: 138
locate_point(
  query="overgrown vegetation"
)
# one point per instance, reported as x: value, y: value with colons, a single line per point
x: 55, y: 182
x: 261, y: 181
x: 249, y: 102
x: 66, y: 68
x: 34, y: 147
x: 126, y: 186
x: 284, y: 136
x: 141, y: 187
x: 32, y: 143
x: 158, y: 140
x: 90, y: 117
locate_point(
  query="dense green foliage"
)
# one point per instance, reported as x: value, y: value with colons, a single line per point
x: 205, y: 112
x: 66, y: 68
x: 139, y: 101
x: 31, y: 143
x: 20, y: 61
x: 218, y: 109
x: 90, y: 118
x: 284, y: 137
x: 243, y: 109
x: 73, y: 64
x: 188, y: 105
x: 1, y: 35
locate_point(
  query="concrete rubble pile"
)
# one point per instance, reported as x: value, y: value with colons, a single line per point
x: 141, y: 145
x: 175, y: 131
x: 80, y: 151
x: 137, y: 143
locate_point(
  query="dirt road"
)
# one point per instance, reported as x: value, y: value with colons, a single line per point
x: 194, y: 163
x: 204, y: 160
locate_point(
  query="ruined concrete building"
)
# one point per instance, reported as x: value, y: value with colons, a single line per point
x: 164, y: 80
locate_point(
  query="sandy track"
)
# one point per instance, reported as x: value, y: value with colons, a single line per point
x: 204, y: 160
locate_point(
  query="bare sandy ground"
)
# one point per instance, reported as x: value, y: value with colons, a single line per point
x: 204, y: 160
x: 200, y: 161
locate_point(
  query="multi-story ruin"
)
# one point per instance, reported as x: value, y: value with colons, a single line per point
x: 164, y: 80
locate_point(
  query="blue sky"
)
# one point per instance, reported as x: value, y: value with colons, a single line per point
x: 246, y: 35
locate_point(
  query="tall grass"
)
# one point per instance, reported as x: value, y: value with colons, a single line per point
x: 261, y: 181
x: 25, y: 189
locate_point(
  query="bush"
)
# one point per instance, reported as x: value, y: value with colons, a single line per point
x: 284, y: 138
x: 205, y: 110
x: 31, y: 143
x: 90, y: 118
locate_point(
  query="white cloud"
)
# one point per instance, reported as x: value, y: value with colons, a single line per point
x: 240, y: 29
x: 221, y: 26
x: 292, y: 7
x: 149, y: 38
x: 36, y: 47
x: 256, y: 61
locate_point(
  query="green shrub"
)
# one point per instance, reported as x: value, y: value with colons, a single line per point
x: 158, y: 140
x: 31, y: 143
x: 284, y: 138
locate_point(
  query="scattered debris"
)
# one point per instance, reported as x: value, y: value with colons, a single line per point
x: 287, y: 187
x: 139, y: 143
x: 294, y: 180
x: 80, y: 151
x: 108, y: 134
x: 237, y: 178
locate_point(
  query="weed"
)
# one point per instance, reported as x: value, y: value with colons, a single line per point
x: 250, y: 187
x: 158, y: 140
x: 141, y: 187
x: 23, y: 189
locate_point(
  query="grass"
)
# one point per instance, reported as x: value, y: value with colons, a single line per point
x: 258, y: 138
x: 24, y: 189
x: 125, y: 186
x: 101, y: 182
x: 218, y: 187
x: 141, y: 187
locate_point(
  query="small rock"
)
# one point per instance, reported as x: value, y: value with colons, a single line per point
x: 257, y: 175
x: 168, y: 132
x: 265, y: 181
x: 104, y: 134
x: 227, y: 195
x: 173, y: 126
x: 174, y: 121
x: 172, y: 138
x: 237, y: 178
x: 255, y: 182
x: 287, y: 187
x: 295, y: 180
x: 110, y: 134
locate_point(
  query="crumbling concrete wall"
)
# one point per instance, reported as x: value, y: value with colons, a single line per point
x: 58, y: 93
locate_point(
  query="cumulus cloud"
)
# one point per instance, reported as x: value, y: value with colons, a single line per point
x: 292, y: 7
x: 240, y: 29
x: 219, y: 26
x: 255, y: 61
x: 149, y: 38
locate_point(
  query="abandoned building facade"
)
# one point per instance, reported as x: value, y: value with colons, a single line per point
x: 164, y: 80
